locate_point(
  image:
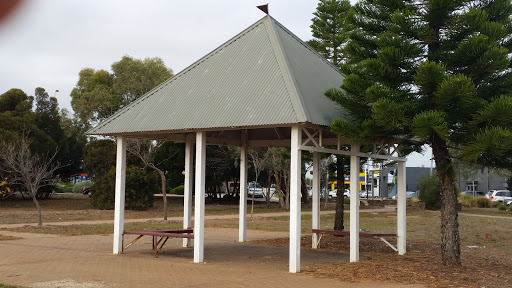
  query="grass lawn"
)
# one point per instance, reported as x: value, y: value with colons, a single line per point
x: 486, y: 211
x: 76, y: 207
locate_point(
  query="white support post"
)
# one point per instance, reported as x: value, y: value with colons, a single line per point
x: 316, y: 198
x: 242, y: 221
x: 187, y: 199
x: 354, y: 204
x: 401, y: 214
x: 120, y: 194
x: 295, y: 209
x: 199, y: 192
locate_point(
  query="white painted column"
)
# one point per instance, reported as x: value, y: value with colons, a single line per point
x: 295, y: 209
x: 242, y: 221
x: 199, y: 193
x: 120, y: 194
x: 187, y: 199
x: 316, y: 198
x: 354, y: 204
x: 400, y: 211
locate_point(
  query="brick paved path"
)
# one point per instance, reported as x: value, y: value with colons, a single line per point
x: 39, y: 260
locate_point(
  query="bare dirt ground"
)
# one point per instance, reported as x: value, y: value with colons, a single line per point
x: 87, y: 261
x: 45, y: 260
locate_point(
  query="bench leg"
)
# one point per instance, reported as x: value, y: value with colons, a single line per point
x: 166, y: 238
x: 131, y: 243
x: 318, y: 242
x: 155, y: 245
x: 389, y: 244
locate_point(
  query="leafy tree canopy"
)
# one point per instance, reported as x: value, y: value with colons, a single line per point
x: 99, y: 93
x: 16, y: 102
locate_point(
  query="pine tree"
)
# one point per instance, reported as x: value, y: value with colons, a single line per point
x: 330, y: 30
x: 435, y: 72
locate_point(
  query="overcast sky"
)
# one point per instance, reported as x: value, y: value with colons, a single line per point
x: 45, y: 43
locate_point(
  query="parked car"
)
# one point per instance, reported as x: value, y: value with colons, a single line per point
x: 501, y: 196
x: 409, y: 195
x: 255, y: 189
x: 473, y: 193
x: 363, y: 194
x: 489, y: 194
x: 508, y: 202
x: 334, y: 193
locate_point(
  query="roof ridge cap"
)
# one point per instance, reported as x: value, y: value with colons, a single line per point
x: 289, y: 78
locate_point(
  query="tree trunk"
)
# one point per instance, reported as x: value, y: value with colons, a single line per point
x: 287, y: 191
x: 164, y: 190
x: 326, y: 192
x: 450, y: 240
x: 268, y: 196
x: 279, y: 189
x: 340, y: 195
x: 303, y: 189
x: 39, y: 216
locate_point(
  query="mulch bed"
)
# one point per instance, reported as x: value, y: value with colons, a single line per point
x: 422, y: 264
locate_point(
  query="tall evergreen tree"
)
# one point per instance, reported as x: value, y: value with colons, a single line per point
x: 330, y: 29
x: 437, y: 72
x: 46, y: 114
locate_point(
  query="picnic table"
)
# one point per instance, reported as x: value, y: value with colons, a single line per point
x: 163, y: 234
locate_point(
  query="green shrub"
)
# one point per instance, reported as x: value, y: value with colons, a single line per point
x: 63, y: 187
x: 482, y: 202
x: 466, y: 201
x: 347, y: 200
x: 79, y: 187
x: 502, y: 207
x: 430, y: 193
x: 495, y: 204
x: 140, y: 187
x: 180, y: 190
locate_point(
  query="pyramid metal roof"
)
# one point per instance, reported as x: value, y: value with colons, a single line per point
x: 264, y: 76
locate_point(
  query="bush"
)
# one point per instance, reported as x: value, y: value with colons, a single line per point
x: 482, y: 202
x: 502, y: 207
x: 430, y: 192
x: 79, y: 187
x: 495, y: 204
x: 466, y: 201
x: 180, y: 190
x: 140, y: 187
x: 63, y: 187
x: 346, y: 200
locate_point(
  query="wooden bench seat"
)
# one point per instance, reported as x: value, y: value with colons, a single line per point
x: 347, y: 233
x: 171, y: 233
x: 361, y: 234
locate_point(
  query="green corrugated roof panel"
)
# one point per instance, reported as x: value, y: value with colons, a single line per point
x: 263, y: 76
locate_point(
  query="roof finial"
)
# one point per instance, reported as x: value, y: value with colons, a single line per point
x: 263, y: 8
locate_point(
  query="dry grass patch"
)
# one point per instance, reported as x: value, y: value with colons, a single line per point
x: 97, y: 229
x: 76, y: 207
x: 4, y: 238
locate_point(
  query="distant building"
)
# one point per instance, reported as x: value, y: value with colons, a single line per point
x: 76, y: 178
x: 469, y: 180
